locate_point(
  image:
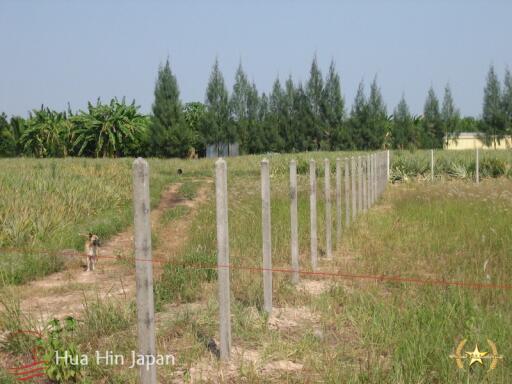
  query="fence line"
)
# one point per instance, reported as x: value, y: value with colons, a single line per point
x: 381, y: 277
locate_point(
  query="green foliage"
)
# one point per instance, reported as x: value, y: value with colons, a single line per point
x: 217, y: 125
x: 377, y: 127
x: 507, y: 101
x: 194, y: 113
x: 453, y: 164
x: 404, y: 134
x: 468, y: 124
x: 7, y: 140
x: 47, y: 134
x: 432, y: 124
x: 56, y: 342
x: 106, y: 130
x: 359, y: 116
x: 314, y: 93
x: 18, y: 268
x: 450, y: 116
x: 333, y: 112
x: 493, y: 114
x: 292, y: 117
x: 169, y: 134
x: 493, y: 167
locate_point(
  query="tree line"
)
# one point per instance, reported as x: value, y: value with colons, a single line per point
x: 292, y: 117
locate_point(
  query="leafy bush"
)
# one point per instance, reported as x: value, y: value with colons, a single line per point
x: 492, y: 167
x: 56, y: 341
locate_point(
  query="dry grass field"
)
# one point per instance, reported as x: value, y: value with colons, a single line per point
x: 325, y: 329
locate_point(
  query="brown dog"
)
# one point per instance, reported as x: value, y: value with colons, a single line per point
x: 91, y: 249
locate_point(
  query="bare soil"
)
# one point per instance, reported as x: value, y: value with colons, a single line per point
x: 64, y: 293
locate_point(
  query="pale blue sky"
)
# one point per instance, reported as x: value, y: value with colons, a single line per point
x: 53, y: 52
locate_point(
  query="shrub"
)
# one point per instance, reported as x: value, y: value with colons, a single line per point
x: 492, y: 167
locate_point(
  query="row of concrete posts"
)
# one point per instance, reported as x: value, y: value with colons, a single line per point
x: 365, y: 179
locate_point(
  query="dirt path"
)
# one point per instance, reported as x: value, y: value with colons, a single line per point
x: 64, y: 293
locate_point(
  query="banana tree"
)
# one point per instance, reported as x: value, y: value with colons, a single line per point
x: 43, y: 134
x: 105, y: 130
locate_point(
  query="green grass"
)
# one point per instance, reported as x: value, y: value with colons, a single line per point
x: 444, y: 232
x: 48, y: 204
x: 382, y: 332
x: 174, y: 213
x: 188, y: 190
x: 366, y: 331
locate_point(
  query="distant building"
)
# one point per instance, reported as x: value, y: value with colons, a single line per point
x: 222, y: 150
x: 472, y: 140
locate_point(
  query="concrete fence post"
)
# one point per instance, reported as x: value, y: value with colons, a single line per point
x: 432, y: 164
x: 347, y: 192
x: 338, y: 201
x: 388, y: 165
x: 312, y: 210
x: 353, y: 182
x: 365, y: 184
x: 477, y: 167
x: 144, y: 271
x: 375, y: 170
x: 359, y: 185
x: 382, y: 172
x: 379, y: 174
x: 294, y: 222
x: 368, y: 182
x: 221, y: 199
x: 266, y: 232
x: 328, y: 217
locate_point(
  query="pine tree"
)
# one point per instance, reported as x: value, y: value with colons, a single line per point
x: 431, y: 123
x: 217, y: 127
x: 450, y: 115
x: 314, y: 93
x: 333, y: 111
x: 168, y: 135
x: 239, y: 108
x: 275, y: 122
x: 507, y: 101
x: 378, y: 126
x: 303, y: 122
x: 403, y: 131
x: 281, y: 125
x: 268, y: 128
x: 493, y: 117
x: 358, y: 121
x: 254, y: 113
